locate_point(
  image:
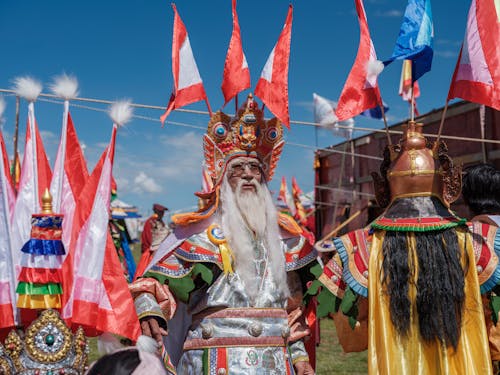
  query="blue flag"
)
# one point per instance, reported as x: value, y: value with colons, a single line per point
x: 375, y: 112
x: 415, y: 38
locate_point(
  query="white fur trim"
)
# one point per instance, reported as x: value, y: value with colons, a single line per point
x: 121, y: 112
x: 27, y: 88
x: 147, y: 344
x: 374, y: 67
x: 65, y: 86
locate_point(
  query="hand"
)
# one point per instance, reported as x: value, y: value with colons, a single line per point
x: 151, y: 328
x: 303, y: 368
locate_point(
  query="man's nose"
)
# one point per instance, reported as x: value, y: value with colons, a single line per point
x: 247, y: 175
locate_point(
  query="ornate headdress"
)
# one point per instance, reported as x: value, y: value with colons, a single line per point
x: 416, y: 167
x: 247, y: 134
x: 416, y: 173
x: 49, y: 347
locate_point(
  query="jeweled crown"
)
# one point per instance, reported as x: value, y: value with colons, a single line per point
x: 49, y: 348
x: 247, y: 134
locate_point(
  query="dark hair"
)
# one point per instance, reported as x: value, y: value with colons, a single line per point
x: 122, y: 362
x: 440, y: 284
x: 481, y: 189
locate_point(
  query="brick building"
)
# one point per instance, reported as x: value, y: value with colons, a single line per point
x: 352, y: 195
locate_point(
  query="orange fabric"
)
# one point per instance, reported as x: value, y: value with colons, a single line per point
x: 143, y: 263
x: 353, y: 340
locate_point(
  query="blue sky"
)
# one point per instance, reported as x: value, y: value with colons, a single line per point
x: 122, y: 49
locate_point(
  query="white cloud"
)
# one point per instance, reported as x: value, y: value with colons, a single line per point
x: 146, y: 184
x: 187, y: 140
x: 388, y: 13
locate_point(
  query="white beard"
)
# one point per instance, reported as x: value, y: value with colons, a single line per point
x: 245, y: 213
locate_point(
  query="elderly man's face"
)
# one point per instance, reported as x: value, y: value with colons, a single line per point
x: 248, y: 170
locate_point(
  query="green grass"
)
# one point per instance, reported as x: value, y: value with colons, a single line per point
x: 330, y: 359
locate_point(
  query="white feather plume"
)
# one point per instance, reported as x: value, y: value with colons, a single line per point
x: 2, y: 106
x: 27, y: 88
x: 108, y: 343
x: 374, y: 67
x: 147, y: 344
x: 65, y: 86
x: 121, y: 112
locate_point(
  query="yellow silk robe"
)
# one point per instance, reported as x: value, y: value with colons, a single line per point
x: 389, y: 353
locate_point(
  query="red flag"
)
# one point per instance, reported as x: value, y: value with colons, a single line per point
x: 188, y: 86
x: 100, y: 300
x: 360, y: 91
x: 70, y: 176
x: 477, y: 73
x: 35, y: 178
x: 272, y: 87
x: 8, y: 275
x: 236, y: 75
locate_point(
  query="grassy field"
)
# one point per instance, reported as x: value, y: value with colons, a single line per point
x: 330, y: 357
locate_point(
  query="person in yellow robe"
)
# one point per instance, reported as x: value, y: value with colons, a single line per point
x: 408, y: 287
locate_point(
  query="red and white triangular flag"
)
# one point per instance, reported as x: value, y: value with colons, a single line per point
x: 8, y: 280
x: 236, y: 77
x: 100, y: 300
x: 188, y: 86
x: 272, y: 87
x: 477, y: 73
x: 361, y: 91
x: 35, y: 174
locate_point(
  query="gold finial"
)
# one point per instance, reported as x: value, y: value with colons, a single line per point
x: 46, y: 202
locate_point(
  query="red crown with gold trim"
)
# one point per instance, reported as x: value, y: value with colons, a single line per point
x: 247, y: 134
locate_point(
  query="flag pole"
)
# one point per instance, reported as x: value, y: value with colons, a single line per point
x: 443, y: 116
x: 342, y: 164
x: 16, y: 136
x: 381, y: 104
x: 482, y: 113
x: 208, y: 107
x: 412, y: 109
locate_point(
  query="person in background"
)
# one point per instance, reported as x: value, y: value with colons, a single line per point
x: 153, y: 224
x: 154, y: 232
x: 481, y: 193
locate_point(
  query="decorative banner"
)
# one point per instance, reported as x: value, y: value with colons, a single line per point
x: 7, y: 271
x: 272, y: 87
x: 236, y: 77
x: 415, y: 38
x: 188, y: 86
x: 324, y: 114
x: 361, y: 91
x: 477, y: 73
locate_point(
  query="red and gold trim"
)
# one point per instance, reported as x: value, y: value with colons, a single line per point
x: 420, y: 224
